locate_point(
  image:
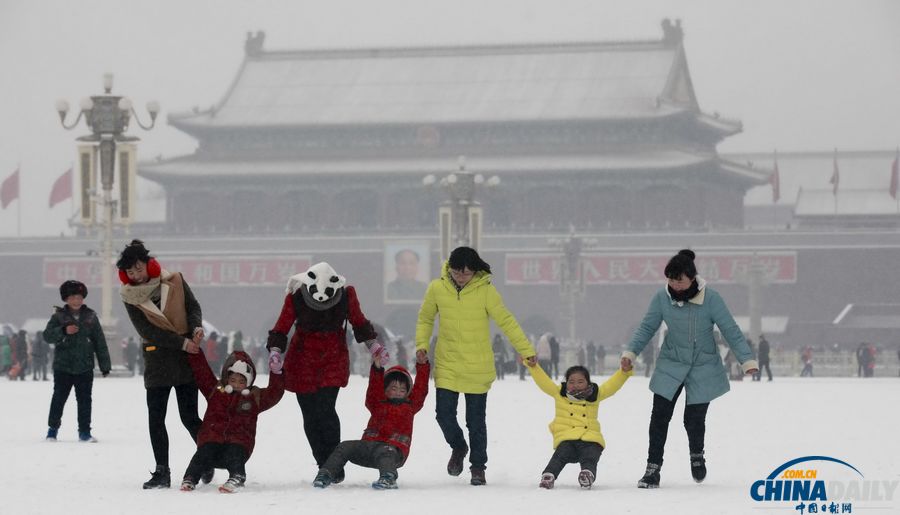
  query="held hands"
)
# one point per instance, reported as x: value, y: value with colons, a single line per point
x: 71, y: 329
x: 752, y: 372
x: 530, y: 361
x: 275, y: 361
x: 626, y: 365
x: 378, y: 350
x: 191, y: 347
x: 421, y: 357
x: 199, y: 336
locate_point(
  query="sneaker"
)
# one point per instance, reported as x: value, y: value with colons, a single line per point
x: 51, y: 434
x: 234, y: 482
x: 455, y: 465
x: 478, y: 477
x: 85, y: 436
x: 188, y: 485
x: 387, y: 481
x: 160, y: 478
x: 698, y: 467
x: 585, y: 479
x: 651, y: 477
x: 547, y: 480
x: 207, y: 476
x: 323, y: 479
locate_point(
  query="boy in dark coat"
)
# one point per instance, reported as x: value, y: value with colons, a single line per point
x: 228, y: 433
x: 388, y: 435
x: 76, y: 331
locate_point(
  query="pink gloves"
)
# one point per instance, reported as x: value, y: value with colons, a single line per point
x: 378, y: 350
x: 275, y: 361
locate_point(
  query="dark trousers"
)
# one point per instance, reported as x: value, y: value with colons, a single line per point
x: 320, y: 421
x: 365, y: 453
x: 39, y: 367
x: 554, y: 368
x: 62, y: 385
x: 764, y: 365
x: 807, y: 370
x: 230, y: 456
x: 157, y: 406
x: 574, y: 451
x: 694, y: 424
x: 476, y: 423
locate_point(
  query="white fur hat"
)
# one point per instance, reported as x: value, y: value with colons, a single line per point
x: 241, y: 367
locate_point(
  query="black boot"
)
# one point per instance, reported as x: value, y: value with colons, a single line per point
x: 651, y: 477
x: 161, y: 478
x: 455, y: 465
x: 698, y: 466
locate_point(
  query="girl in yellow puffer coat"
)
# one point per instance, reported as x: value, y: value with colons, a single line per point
x: 576, y: 431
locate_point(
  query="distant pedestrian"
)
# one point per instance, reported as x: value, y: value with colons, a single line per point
x: 860, y: 359
x: 806, y: 356
x: 40, y: 350
x: 499, y: 348
x: 591, y: 358
x: 21, y: 353
x: 554, y: 357
x: 763, y: 354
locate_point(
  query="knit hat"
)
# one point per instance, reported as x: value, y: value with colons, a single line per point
x: 398, y: 373
x: 72, y: 287
x: 238, y: 362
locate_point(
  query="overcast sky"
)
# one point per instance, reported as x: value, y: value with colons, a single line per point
x: 801, y: 75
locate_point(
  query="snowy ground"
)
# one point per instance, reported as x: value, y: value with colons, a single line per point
x: 750, y: 431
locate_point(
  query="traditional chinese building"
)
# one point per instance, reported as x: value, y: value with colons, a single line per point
x: 605, y: 136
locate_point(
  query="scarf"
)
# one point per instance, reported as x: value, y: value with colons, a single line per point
x: 686, y: 295
x: 582, y: 395
x: 320, y: 306
x: 136, y: 294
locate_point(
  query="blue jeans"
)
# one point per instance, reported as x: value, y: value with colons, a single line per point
x: 476, y: 406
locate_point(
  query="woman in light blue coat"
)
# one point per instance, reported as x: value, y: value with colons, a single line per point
x: 688, y: 359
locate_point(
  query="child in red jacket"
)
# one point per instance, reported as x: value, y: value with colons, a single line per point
x: 228, y: 433
x: 388, y: 435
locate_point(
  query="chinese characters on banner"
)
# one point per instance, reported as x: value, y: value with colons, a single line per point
x: 535, y: 269
x: 197, y: 271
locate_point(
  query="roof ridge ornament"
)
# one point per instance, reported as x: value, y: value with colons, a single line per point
x: 672, y: 33
x: 253, y: 47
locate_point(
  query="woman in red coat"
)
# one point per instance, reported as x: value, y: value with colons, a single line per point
x: 319, y: 304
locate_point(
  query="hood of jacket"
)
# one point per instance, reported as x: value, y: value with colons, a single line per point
x: 480, y: 277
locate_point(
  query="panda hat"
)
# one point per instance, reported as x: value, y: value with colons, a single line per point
x: 320, y: 285
x: 238, y: 362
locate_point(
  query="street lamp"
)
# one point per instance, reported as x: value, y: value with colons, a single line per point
x: 755, y: 277
x: 107, y: 116
x: 460, y: 217
x: 571, y: 273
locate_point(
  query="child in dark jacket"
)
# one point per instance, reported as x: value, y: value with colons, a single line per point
x: 228, y: 433
x: 388, y: 435
x: 75, y: 329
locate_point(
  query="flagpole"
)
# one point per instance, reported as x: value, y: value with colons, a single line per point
x: 19, y: 201
x: 775, y: 200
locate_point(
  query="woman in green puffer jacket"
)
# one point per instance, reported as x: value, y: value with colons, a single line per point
x: 465, y: 301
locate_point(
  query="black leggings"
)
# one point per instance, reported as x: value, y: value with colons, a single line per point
x: 229, y: 456
x: 157, y: 405
x: 694, y: 424
x: 320, y: 421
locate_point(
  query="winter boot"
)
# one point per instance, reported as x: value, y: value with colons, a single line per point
x: 338, y: 478
x: 478, y: 477
x: 585, y: 479
x: 698, y: 466
x: 234, y: 482
x: 455, y: 465
x: 387, y: 481
x: 207, y: 476
x: 51, y: 434
x: 547, y: 480
x: 85, y: 436
x: 161, y: 478
x: 651, y: 477
x: 188, y: 485
x: 323, y: 479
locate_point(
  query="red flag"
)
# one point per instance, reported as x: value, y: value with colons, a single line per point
x: 9, y: 190
x: 775, y: 181
x: 895, y: 176
x: 835, y: 175
x: 62, y: 188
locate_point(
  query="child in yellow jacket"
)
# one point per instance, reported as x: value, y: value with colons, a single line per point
x: 576, y: 431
